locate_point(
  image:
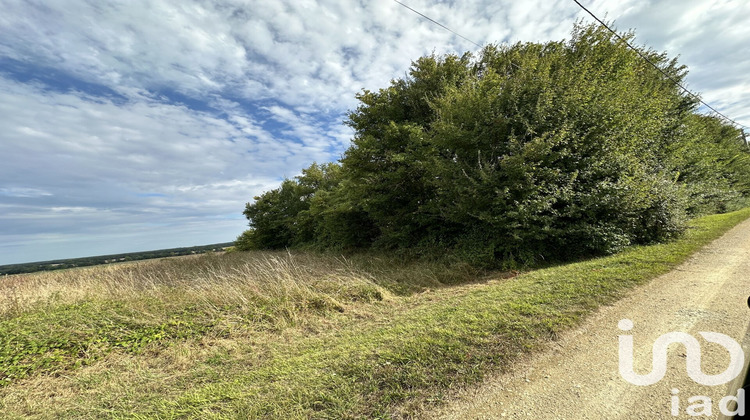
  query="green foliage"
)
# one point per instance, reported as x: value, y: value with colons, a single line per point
x: 710, y: 166
x: 282, y: 217
x: 526, y: 152
x: 70, y: 336
x: 245, y: 241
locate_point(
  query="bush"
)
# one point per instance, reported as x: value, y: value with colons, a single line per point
x: 526, y: 152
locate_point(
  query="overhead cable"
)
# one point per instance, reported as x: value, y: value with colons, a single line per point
x: 439, y: 24
x: 643, y: 56
x: 676, y: 82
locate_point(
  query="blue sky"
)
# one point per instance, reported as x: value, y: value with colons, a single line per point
x: 136, y: 125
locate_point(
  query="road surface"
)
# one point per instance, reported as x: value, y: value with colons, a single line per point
x: 578, y: 377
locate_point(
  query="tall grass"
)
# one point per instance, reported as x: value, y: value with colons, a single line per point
x: 250, y: 335
x: 54, y: 321
x: 211, y: 280
x: 245, y: 279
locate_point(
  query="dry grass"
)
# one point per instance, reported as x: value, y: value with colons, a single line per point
x: 51, y: 322
x: 55, y: 322
x: 240, y: 279
x: 238, y: 306
x: 261, y: 335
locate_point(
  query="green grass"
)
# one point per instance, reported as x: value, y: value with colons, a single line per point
x: 73, y: 335
x: 89, y: 313
x: 456, y: 341
x: 380, y: 358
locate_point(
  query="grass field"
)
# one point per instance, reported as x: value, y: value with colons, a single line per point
x: 297, y: 335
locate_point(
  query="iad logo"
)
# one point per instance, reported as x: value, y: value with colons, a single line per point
x: 701, y: 405
x: 693, y: 362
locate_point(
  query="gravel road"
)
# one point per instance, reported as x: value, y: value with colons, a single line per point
x: 577, y: 377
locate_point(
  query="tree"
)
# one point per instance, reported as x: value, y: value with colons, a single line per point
x: 529, y: 151
x: 281, y: 217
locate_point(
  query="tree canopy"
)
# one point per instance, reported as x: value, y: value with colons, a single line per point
x: 525, y: 152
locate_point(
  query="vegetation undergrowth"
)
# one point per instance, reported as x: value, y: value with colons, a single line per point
x: 56, y: 321
x: 385, y: 356
x: 390, y: 371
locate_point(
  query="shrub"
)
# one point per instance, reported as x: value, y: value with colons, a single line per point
x: 526, y: 152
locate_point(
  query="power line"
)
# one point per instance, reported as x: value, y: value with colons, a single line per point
x: 659, y: 68
x: 448, y: 29
x: 439, y: 24
x: 672, y: 79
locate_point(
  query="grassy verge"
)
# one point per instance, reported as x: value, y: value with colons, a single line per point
x: 380, y: 358
x: 54, y: 322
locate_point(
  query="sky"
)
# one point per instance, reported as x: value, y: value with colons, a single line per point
x: 146, y: 124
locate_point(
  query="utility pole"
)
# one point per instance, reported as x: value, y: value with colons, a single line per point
x: 744, y: 138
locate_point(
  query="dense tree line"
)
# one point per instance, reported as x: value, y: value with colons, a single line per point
x: 108, y: 259
x: 525, y: 152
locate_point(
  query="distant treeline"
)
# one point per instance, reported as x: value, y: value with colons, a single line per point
x: 108, y: 259
x: 526, y: 152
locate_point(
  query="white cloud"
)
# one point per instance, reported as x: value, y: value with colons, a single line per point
x: 711, y: 38
x: 23, y: 192
x: 306, y: 54
x: 92, y: 163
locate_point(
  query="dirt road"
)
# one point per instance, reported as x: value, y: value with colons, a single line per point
x: 578, y: 376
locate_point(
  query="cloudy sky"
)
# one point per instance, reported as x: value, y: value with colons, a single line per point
x: 135, y: 125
